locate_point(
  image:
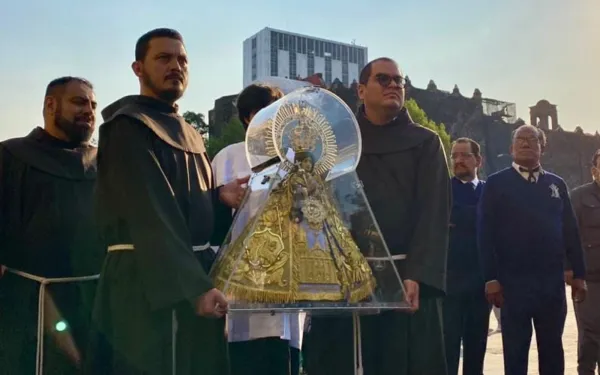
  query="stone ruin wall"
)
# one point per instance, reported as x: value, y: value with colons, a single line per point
x: 568, y: 153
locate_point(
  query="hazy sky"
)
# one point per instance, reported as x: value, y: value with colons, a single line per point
x: 513, y: 50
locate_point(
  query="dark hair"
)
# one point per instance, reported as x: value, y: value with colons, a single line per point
x: 541, y: 136
x: 365, y: 73
x: 57, y: 86
x: 475, y: 148
x: 143, y: 43
x: 595, y: 158
x: 254, y: 98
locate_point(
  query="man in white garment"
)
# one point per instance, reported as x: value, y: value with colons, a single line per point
x: 259, y: 344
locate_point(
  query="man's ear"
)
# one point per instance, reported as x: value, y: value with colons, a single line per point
x: 50, y: 104
x: 479, y: 161
x: 136, y: 66
x: 361, y: 91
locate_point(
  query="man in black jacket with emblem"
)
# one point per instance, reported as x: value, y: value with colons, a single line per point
x: 405, y: 175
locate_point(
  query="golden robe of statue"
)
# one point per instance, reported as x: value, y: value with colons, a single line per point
x: 299, y: 249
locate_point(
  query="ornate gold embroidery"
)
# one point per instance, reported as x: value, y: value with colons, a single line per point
x: 297, y: 248
x: 295, y: 255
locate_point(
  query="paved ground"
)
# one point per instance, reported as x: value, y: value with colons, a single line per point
x: 493, y: 359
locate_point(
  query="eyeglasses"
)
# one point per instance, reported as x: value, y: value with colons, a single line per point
x: 385, y: 80
x: 528, y: 140
x: 461, y: 155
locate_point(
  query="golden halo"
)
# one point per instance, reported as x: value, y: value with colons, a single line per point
x: 317, y: 129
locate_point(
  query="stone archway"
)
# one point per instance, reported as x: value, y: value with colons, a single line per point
x: 540, y: 113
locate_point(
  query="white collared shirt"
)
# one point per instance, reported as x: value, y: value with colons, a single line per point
x: 474, y: 181
x: 525, y: 175
x: 229, y: 164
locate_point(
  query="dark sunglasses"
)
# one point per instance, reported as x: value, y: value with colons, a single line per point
x: 385, y: 80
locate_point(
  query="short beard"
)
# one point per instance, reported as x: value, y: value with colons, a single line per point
x: 465, y: 175
x: 169, y: 96
x: 76, y: 134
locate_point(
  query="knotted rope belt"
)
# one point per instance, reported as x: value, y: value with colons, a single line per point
x: 358, y: 360
x: 43, y: 281
x: 129, y: 247
x: 197, y: 248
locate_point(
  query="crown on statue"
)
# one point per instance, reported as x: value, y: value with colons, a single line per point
x: 303, y: 138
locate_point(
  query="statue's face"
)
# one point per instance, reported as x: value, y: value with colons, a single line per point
x: 306, y: 164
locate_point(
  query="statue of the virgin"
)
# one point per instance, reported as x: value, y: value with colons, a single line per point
x: 296, y: 247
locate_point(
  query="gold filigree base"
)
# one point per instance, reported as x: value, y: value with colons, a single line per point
x: 278, y: 259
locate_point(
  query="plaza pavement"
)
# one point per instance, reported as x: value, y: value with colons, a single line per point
x: 493, y: 360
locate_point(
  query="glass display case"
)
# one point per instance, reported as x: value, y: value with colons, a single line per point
x: 304, y: 238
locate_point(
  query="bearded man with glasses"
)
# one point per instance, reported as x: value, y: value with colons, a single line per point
x: 405, y: 176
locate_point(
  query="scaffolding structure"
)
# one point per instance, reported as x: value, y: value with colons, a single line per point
x: 497, y: 108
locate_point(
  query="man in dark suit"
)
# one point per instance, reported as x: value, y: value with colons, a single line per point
x: 586, y: 202
x: 466, y: 310
x: 526, y: 228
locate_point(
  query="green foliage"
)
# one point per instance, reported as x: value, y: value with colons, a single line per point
x: 232, y: 133
x: 197, y: 121
x: 420, y: 117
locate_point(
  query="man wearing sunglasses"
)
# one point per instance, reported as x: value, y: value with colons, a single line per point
x: 405, y: 175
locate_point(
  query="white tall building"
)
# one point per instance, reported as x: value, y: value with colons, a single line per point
x: 279, y: 53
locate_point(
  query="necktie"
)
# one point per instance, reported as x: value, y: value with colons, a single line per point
x: 531, y: 173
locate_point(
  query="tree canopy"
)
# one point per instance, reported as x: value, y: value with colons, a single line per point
x: 196, y: 119
x: 232, y: 133
x: 420, y: 117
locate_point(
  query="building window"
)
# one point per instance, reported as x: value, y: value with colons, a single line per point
x: 310, y: 68
x: 328, y: 69
x: 280, y: 40
x: 362, y: 59
x: 275, y: 55
x: 286, y: 42
x: 292, y: 65
x: 310, y: 45
x: 293, y: 43
x: 345, y: 73
x: 254, y: 59
x: 361, y: 56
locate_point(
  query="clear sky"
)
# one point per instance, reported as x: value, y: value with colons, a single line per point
x: 513, y: 50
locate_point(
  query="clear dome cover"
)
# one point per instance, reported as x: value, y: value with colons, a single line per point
x: 286, y: 85
x: 304, y: 237
x: 311, y: 120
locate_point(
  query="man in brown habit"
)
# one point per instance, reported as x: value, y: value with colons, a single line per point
x: 48, y: 235
x: 586, y: 203
x: 405, y: 175
x: 155, y: 199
